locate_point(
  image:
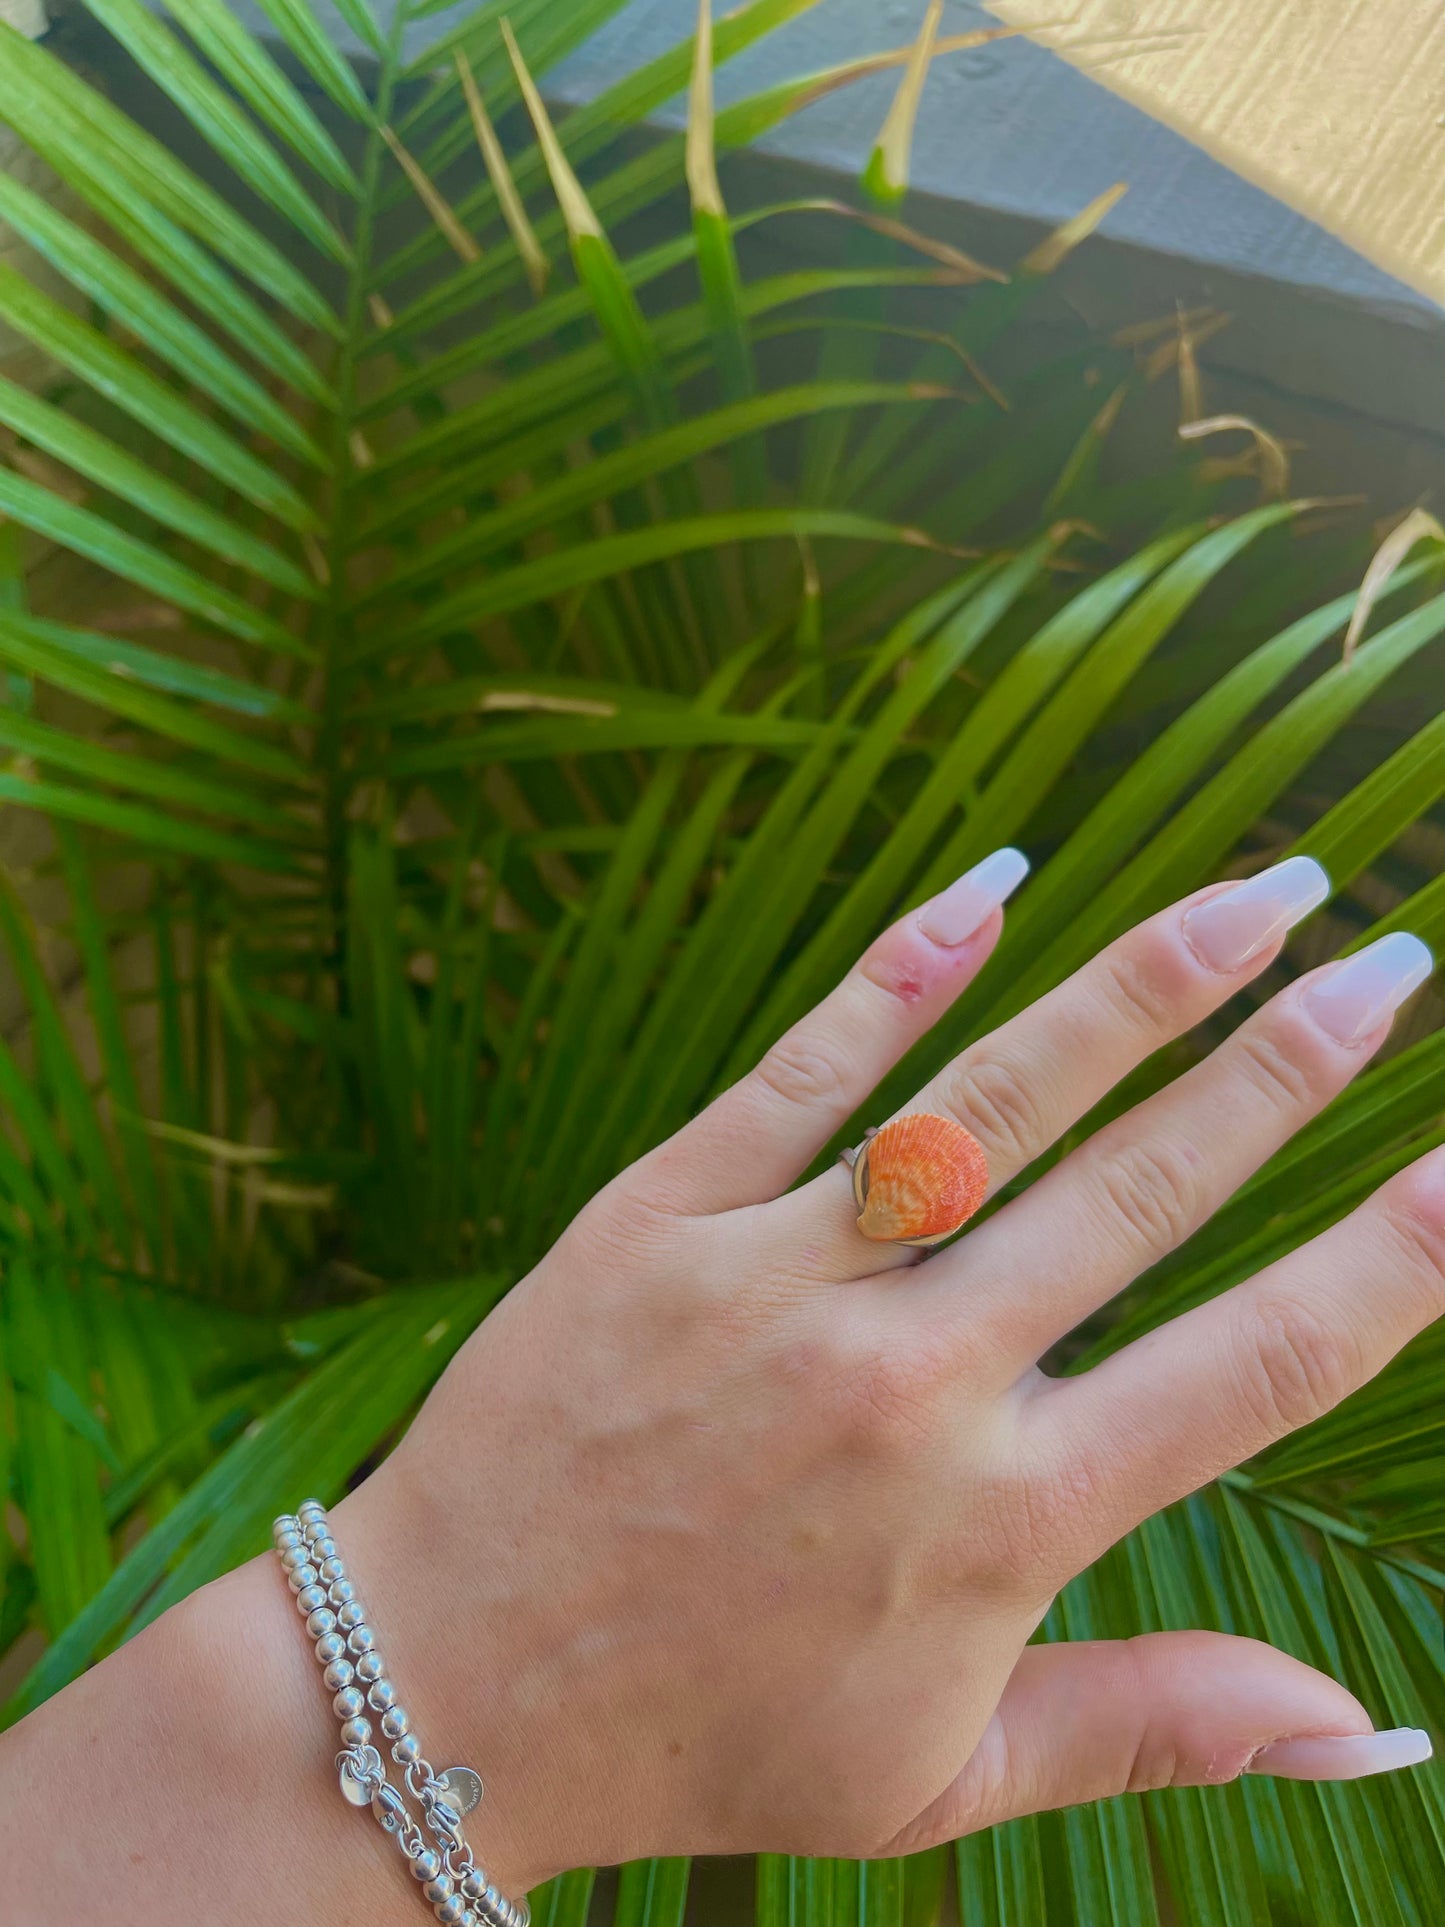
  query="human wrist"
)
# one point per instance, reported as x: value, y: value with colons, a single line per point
x: 453, y: 1670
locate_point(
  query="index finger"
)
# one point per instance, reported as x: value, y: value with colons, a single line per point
x: 756, y: 1139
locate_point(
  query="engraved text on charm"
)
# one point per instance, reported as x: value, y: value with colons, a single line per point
x: 462, y: 1786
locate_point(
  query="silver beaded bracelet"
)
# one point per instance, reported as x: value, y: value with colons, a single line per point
x: 450, y: 1878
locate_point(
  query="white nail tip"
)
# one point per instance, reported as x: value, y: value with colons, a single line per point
x: 1351, y: 1756
x: 957, y: 912
x: 1306, y: 882
x: 1001, y: 873
x: 1404, y: 957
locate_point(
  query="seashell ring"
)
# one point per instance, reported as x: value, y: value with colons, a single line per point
x: 917, y: 1180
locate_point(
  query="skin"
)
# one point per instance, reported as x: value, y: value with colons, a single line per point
x: 728, y: 1529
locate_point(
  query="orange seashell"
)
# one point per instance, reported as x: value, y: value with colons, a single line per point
x: 918, y: 1179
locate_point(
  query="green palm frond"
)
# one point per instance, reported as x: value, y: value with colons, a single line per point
x: 449, y: 599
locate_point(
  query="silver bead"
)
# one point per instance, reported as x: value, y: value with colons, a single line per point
x: 370, y: 1666
x: 341, y: 1592
x: 332, y: 1569
x: 348, y: 1703
x: 330, y: 1646
x: 339, y: 1673
x: 361, y: 1639
x: 287, y: 1539
x: 474, y: 1883
x: 323, y: 1548
x: 284, y: 1522
x: 450, y: 1911
x: 381, y: 1694
x: 295, y: 1556
x: 427, y: 1865
x: 407, y: 1749
x: 314, y: 1527
x: 309, y: 1599
x: 394, y: 1722
x: 356, y: 1731
x: 438, y: 1888
x: 320, y: 1620
x: 471, y: 1918
x: 309, y: 1505
x: 493, y: 1899
x: 351, y: 1615
x: 300, y: 1577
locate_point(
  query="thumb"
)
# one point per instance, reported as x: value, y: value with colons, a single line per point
x: 1086, y: 1720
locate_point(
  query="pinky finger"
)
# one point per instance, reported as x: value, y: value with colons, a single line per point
x: 1221, y: 1382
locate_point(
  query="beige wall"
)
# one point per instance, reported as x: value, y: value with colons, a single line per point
x: 1336, y: 106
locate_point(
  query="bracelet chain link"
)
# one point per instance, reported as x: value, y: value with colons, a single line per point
x: 451, y: 1879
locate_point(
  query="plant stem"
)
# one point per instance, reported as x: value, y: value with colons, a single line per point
x: 333, y: 617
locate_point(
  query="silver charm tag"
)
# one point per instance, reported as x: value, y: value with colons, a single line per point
x: 354, y: 1791
x: 463, y: 1787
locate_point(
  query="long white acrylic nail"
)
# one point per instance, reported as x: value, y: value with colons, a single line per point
x: 1354, y: 997
x: 954, y: 914
x: 1226, y: 930
x: 1350, y: 1756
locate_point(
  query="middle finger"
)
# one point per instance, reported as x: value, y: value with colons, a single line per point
x: 1020, y: 1088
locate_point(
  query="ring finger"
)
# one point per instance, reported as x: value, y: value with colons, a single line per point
x: 1020, y: 1088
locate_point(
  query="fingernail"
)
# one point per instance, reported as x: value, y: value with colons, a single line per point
x: 1350, y: 1756
x: 954, y: 914
x: 1356, y: 995
x: 1226, y: 930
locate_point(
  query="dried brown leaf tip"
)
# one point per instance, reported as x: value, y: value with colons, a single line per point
x: 1418, y: 526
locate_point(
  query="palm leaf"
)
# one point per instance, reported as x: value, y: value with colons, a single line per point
x: 422, y: 680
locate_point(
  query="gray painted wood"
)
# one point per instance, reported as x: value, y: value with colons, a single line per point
x: 1008, y: 127
x: 1008, y: 135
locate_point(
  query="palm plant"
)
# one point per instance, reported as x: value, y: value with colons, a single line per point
x: 449, y: 600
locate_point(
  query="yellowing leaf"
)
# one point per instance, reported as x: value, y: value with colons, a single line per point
x: 886, y: 175
x: 514, y: 212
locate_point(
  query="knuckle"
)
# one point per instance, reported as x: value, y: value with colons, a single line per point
x: 1145, y: 981
x: 1155, y: 1763
x: 1290, y: 1074
x: 991, y: 1097
x: 1301, y: 1366
x: 1154, y: 1188
x: 1419, y: 1238
x: 799, y: 1072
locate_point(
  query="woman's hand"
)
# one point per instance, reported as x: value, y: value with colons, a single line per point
x: 728, y: 1530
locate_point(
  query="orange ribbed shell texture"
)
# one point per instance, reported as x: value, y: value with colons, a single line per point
x: 918, y: 1179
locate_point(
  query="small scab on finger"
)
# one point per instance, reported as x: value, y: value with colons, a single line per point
x: 908, y: 968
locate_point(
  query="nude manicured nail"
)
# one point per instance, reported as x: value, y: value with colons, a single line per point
x: 1226, y: 930
x: 1350, y: 1756
x: 954, y: 914
x: 1356, y: 995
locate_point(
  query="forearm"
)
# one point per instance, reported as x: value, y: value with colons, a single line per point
x: 190, y: 1775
